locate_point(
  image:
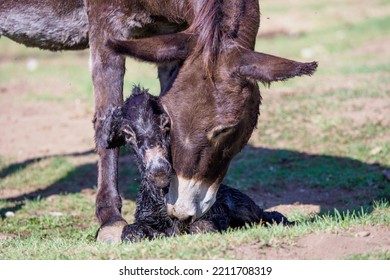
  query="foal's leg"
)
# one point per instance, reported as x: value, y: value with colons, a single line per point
x: 140, y: 231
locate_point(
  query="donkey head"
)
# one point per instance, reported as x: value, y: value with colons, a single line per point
x: 212, y: 115
x: 142, y: 124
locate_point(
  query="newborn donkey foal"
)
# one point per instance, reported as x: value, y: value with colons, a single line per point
x: 142, y: 124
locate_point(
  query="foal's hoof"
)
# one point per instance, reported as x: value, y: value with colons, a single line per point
x: 275, y: 217
x: 111, y: 233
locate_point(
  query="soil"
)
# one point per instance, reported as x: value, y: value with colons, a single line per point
x: 38, y: 129
x: 325, y: 245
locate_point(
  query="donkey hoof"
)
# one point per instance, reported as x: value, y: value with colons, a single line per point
x: 111, y: 233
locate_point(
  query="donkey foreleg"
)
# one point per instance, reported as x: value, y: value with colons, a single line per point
x: 107, y: 80
x: 107, y: 74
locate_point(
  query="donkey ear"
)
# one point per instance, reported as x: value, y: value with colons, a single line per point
x: 112, y: 129
x: 157, y: 49
x: 268, y: 68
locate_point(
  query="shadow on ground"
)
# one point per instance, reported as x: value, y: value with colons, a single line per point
x: 271, y: 177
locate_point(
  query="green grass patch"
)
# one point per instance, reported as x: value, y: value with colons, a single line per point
x: 371, y: 256
x: 52, y: 238
x: 326, y: 39
x: 276, y: 169
x: 35, y: 173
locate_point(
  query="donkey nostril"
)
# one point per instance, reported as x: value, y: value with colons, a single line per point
x: 160, y: 172
x: 189, y: 220
x: 160, y: 178
x: 184, y: 217
x: 160, y: 175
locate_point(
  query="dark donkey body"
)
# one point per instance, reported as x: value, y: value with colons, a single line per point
x: 142, y: 124
x: 223, y: 29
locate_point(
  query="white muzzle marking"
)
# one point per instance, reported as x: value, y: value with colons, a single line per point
x: 189, y: 198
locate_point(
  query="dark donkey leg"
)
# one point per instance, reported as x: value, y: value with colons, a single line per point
x: 107, y: 73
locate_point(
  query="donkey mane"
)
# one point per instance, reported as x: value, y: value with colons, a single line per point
x: 217, y: 22
x: 207, y: 24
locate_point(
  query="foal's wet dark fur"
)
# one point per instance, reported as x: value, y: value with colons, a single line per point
x: 142, y: 124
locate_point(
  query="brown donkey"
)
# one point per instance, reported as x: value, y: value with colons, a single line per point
x: 211, y: 125
x: 214, y: 101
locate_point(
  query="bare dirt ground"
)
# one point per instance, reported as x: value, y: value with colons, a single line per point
x: 37, y: 129
x: 326, y: 246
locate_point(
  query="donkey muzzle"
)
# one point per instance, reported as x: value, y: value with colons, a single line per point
x: 189, y: 199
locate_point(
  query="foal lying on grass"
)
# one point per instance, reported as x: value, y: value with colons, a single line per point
x: 142, y: 124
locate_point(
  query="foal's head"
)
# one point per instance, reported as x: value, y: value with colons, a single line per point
x: 142, y: 124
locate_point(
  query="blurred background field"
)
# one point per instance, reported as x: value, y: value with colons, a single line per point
x: 322, y: 143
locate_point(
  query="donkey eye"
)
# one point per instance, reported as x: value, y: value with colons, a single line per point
x: 219, y: 131
x: 128, y: 133
x: 130, y: 138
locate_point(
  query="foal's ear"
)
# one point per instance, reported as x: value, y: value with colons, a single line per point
x: 267, y: 68
x: 165, y: 122
x: 112, y: 127
x: 156, y: 49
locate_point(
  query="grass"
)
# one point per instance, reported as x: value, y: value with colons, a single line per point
x: 377, y: 256
x: 326, y: 133
x: 38, y: 173
x: 52, y: 238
